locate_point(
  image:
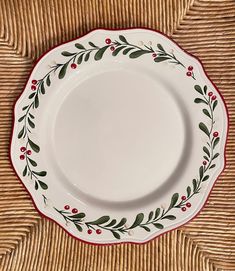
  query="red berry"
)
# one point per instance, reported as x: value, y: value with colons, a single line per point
x: 112, y: 48
x: 190, y: 68
x: 29, y: 152
x: 188, y: 204
x: 66, y: 207
x: 183, y: 198
x: 23, y: 149
x: 183, y: 209
x: 210, y: 94
x: 73, y: 66
x: 213, y: 97
x: 108, y: 41
x: 89, y: 231
x: 204, y: 163
x: 189, y: 74
x: 98, y: 231
x: 34, y: 82
x: 22, y: 157
x: 215, y: 134
x: 154, y: 55
x: 33, y: 87
x: 74, y: 210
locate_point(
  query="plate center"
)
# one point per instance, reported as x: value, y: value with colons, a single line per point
x: 118, y: 136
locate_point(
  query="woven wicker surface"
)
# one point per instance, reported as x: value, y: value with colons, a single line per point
x: 28, y: 28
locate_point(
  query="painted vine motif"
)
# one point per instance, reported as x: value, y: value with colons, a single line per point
x: 156, y: 217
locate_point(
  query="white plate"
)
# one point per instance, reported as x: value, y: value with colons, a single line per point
x: 119, y: 136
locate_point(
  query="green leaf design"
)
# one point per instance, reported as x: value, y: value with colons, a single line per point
x: 25, y: 107
x: 158, y: 226
x: 21, y: 118
x: 77, y: 216
x: 205, y: 89
x: 139, y: 218
x: 216, y: 142
x: 138, y: 53
x: 31, y: 116
x: 36, y: 101
x: 198, y: 101
x: 206, y: 158
x: 101, y: 220
x: 206, y: 112
x: 32, y: 162
x: 48, y: 81
x: 31, y: 124
x: 100, y: 52
x: 215, y: 156
x: 92, y: 44
x: 43, y: 88
x: 201, y: 172
x: 174, y: 200
x: 188, y: 191
x: 79, y: 228
x: 43, y: 185
x: 87, y: 56
x: 145, y: 228
x: 205, y: 178
x: 121, y: 223
x: 203, y: 127
x: 63, y: 70
x: 160, y: 47
x: 160, y: 58
x: 117, y: 50
x: 65, y: 53
x: 157, y: 212
x: 80, y: 46
x: 170, y: 217
x: 150, y: 216
x: 123, y: 39
x: 113, y: 222
x: 206, y: 151
x: 79, y: 60
x: 115, y: 234
x: 21, y: 132
x: 214, y: 105
x: 127, y: 50
x: 194, y: 184
x: 40, y: 173
x: 32, y: 95
x: 198, y: 89
x: 36, y: 185
x: 212, y: 166
x: 25, y: 171
x: 34, y: 146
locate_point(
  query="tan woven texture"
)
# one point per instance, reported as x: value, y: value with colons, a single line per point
x: 205, y: 28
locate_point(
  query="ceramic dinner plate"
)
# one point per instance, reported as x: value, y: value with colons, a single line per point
x: 119, y: 136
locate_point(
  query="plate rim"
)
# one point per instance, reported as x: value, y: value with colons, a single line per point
x: 209, y: 190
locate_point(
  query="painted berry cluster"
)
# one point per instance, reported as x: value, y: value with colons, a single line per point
x: 155, y: 218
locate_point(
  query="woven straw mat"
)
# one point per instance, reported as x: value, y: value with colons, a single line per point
x: 205, y: 28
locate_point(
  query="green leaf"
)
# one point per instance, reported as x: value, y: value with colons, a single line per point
x: 139, y: 218
x: 43, y: 185
x: 101, y: 220
x: 174, y: 200
x: 216, y: 142
x: 206, y: 112
x: 21, y: 118
x: 201, y: 172
x: 212, y: 166
x: 77, y: 216
x: 203, y: 127
x: 31, y: 124
x: 25, y: 171
x: 87, y: 56
x: 25, y: 107
x: 158, y: 225
x: 43, y: 88
x: 198, y: 89
x: 121, y: 223
x: 205, y: 89
x: 160, y: 58
x: 116, y: 235
x: 215, y: 156
x: 150, y: 215
x: 21, y: 132
x: 157, y: 212
x: 117, y: 50
x: 36, y: 185
x: 123, y: 39
x: 170, y: 217
x: 100, y: 52
x: 63, y: 70
x: 205, y: 178
x: 194, y: 184
x: 40, y: 173
x: 113, y: 222
x: 80, y: 46
x: 79, y: 61
x: 214, y: 105
x: 146, y: 228
x: 48, y: 81
x: 188, y: 191
x: 34, y: 146
x: 79, y: 228
x: 206, y: 151
x: 205, y: 157
x: 32, y: 95
x: 65, y: 53
x: 198, y: 101
x: 31, y: 116
x: 138, y: 53
x: 32, y: 162
x: 92, y: 44
x: 36, y: 101
x: 160, y: 47
x: 127, y: 50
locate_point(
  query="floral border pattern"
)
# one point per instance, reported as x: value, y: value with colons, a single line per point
x: 156, y: 217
